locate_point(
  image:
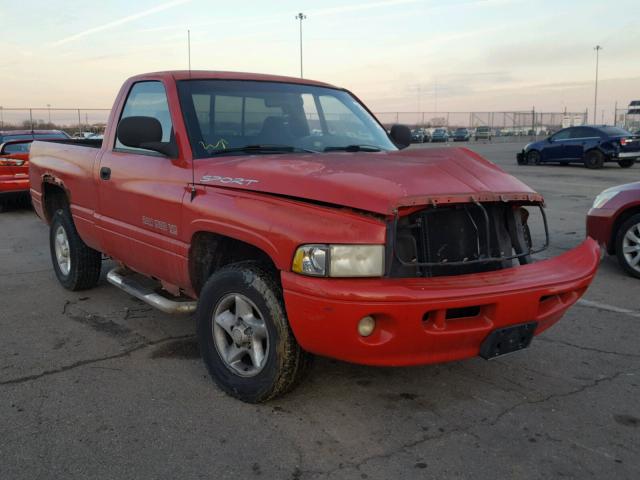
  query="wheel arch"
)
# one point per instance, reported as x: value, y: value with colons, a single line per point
x: 620, y: 219
x: 211, y: 251
x: 54, y: 197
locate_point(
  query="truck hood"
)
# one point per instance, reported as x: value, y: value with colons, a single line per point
x: 379, y: 182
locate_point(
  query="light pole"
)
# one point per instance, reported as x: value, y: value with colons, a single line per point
x: 49, y: 110
x: 301, y: 16
x: 597, y: 48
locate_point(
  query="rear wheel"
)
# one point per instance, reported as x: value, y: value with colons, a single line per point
x: 533, y: 157
x: 594, y: 159
x: 77, y: 265
x: 627, y: 162
x: 245, y: 338
x: 628, y: 246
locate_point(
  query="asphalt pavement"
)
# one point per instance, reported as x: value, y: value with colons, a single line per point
x: 98, y: 385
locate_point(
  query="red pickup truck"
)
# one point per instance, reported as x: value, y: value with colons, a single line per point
x: 301, y: 227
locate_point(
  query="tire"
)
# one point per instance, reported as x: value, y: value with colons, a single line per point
x: 533, y: 157
x: 77, y: 265
x: 628, y: 237
x: 627, y: 162
x: 244, y: 373
x: 594, y: 159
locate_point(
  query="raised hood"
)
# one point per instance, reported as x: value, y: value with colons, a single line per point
x: 375, y: 182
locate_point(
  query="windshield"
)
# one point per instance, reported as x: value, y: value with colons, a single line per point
x: 234, y: 114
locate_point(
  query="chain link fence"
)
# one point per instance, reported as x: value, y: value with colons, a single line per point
x: 74, y: 121
x: 77, y: 121
x: 515, y: 123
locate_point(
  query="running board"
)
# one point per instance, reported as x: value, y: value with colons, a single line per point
x: 123, y: 279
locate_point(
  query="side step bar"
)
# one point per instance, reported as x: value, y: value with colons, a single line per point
x: 122, y: 278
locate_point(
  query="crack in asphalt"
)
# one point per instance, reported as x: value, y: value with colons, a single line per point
x: 404, y: 447
x: 460, y: 431
x: 89, y: 361
x: 589, y: 349
x: 552, y: 396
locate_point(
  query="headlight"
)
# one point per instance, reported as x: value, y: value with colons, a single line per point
x: 604, y: 197
x: 339, y: 260
x: 527, y: 146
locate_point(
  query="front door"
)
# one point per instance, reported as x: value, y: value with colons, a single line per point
x: 555, y: 150
x: 141, y: 193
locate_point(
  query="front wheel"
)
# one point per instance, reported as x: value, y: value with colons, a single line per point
x: 77, y: 265
x: 626, y: 162
x: 245, y: 339
x: 594, y: 159
x: 628, y: 246
x: 533, y: 157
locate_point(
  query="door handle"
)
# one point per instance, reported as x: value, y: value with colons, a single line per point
x: 105, y: 173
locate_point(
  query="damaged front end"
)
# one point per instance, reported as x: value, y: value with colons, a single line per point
x: 462, y: 238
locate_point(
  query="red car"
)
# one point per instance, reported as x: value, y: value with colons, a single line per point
x: 281, y: 212
x: 14, y: 169
x: 614, y: 221
x: 14, y: 160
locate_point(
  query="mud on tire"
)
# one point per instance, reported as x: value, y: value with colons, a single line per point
x: 241, y: 314
x: 76, y: 265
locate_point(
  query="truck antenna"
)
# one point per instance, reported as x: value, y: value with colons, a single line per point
x: 189, y: 50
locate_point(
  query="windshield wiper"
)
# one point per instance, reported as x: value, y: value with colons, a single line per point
x: 265, y: 148
x: 354, y: 148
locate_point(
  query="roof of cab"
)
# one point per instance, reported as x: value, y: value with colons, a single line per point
x: 217, y: 75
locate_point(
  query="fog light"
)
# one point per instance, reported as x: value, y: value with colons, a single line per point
x: 366, y: 325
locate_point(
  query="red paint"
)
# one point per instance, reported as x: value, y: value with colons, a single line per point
x: 14, y: 178
x: 602, y: 222
x: 124, y: 218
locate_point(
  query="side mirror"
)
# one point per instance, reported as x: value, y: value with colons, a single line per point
x: 144, y: 132
x: 550, y: 139
x: 401, y: 136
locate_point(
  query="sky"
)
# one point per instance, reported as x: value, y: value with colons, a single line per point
x: 396, y: 55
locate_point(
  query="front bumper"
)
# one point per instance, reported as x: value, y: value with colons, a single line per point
x: 412, y: 324
x: 599, y: 226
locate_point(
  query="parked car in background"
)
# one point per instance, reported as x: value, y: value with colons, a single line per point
x: 461, y: 135
x: 6, y: 135
x: 483, y: 133
x: 614, y: 221
x: 296, y: 244
x: 590, y: 145
x: 418, y: 135
x: 440, y: 135
x: 14, y: 171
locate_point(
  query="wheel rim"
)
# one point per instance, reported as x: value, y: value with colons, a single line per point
x: 534, y: 157
x: 240, y: 335
x: 61, y: 247
x: 631, y: 247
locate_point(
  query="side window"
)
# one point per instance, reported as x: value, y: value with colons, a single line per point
x: 583, y: 132
x: 148, y: 99
x: 341, y: 121
x: 563, y: 134
x: 311, y: 113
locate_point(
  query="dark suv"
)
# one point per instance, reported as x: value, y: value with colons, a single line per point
x: 590, y: 145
